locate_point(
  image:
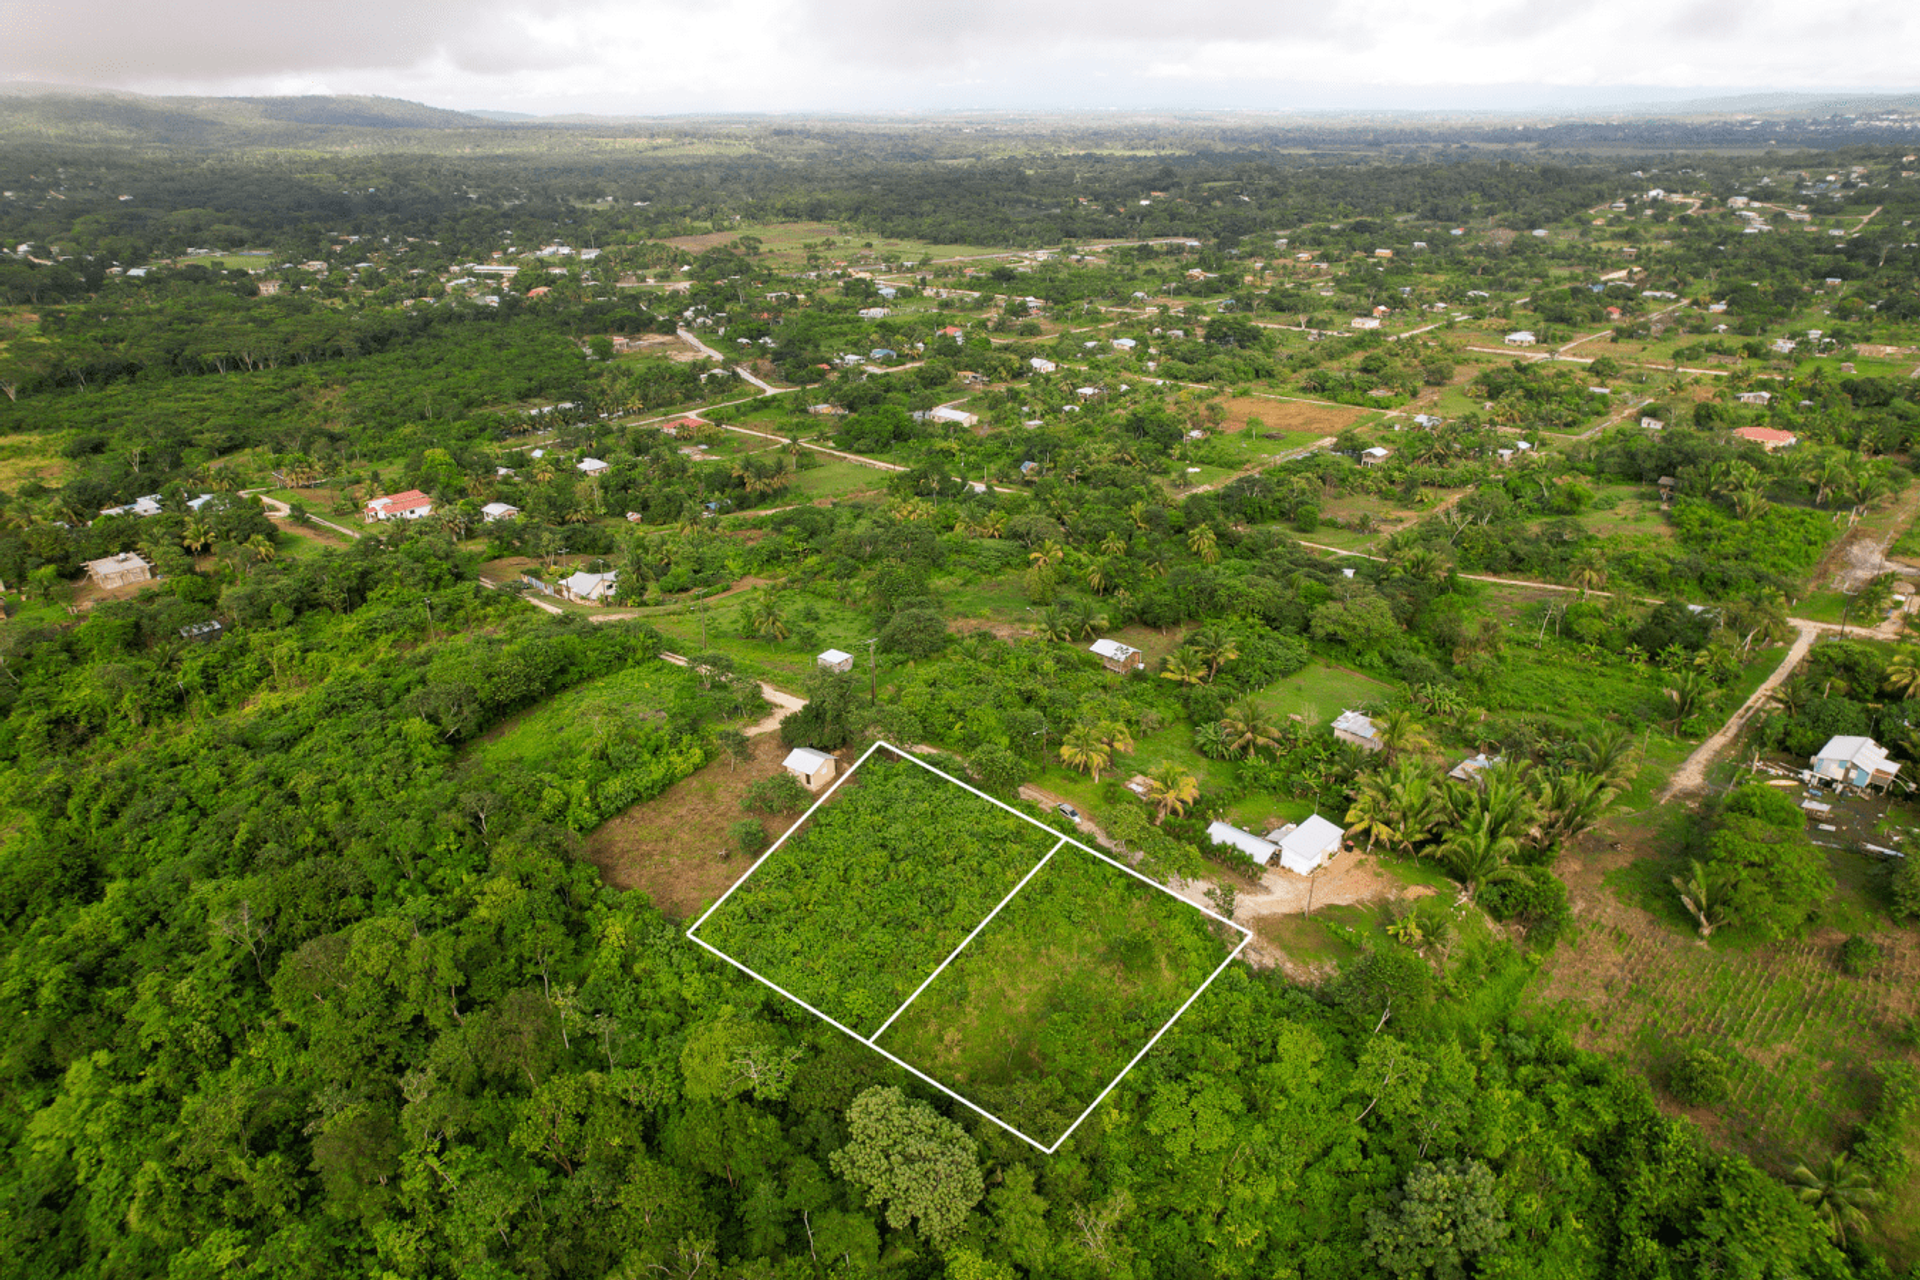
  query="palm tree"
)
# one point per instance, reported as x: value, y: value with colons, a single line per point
x: 1115, y: 736
x: 1184, y: 666
x: 1837, y: 1194
x: 1570, y: 805
x: 262, y: 548
x: 1589, y: 571
x: 1398, y: 731
x: 1421, y: 564
x: 1700, y: 895
x: 1216, y: 646
x: 1608, y: 752
x: 1170, y: 789
x: 1249, y: 729
x: 1413, y: 802
x: 194, y: 535
x: 1113, y: 545
x: 1137, y: 513
x: 1047, y: 554
x: 1688, y: 693
x: 763, y: 616
x: 1061, y: 621
x: 1479, y: 855
x: 1903, y: 674
x: 1371, y: 813
x: 1205, y: 543
x: 1082, y: 749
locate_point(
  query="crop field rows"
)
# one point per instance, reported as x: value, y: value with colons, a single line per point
x: 1789, y: 1023
x: 1014, y: 969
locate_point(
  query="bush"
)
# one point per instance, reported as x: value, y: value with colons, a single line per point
x: 782, y: 793
x: 1857, y: 955
x: 1699, y: 1079
x: 748, y: 837
x: 1905, y: 888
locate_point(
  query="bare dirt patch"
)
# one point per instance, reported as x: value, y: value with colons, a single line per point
x: 671, y: 847
x: 1289, y: 415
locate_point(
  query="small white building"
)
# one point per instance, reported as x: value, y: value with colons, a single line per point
x: 1854, y: 761
x: 1042, y: 365
x: 1359, y: 729
x: 1755, y: 397
x: 1365, y: 322
x: 498, y: 511
x: 1375, y: 456
x: 591, y: 466
x: 1520, y: 338
x: 959, y: 417
x: 813, y: 768
x: 835, y: 660
x: 1261, y: 851
x: 590, y: 588
x: 411, y: 505
x: 119, y: 571
x: 1307, y: 846
x: 1118, y: 657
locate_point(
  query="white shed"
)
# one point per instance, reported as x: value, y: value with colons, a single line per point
x: 813, y: 768
x: 1117, y: 656
x: 1305, y: 848
x: 1261, y: 851
x: 835, y: 660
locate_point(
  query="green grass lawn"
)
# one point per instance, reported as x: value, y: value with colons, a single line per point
x: 834, y: 479
x: 1318, y: 692
x: 1058, y: 992
x: 860, y: 905
x: 564, y: 726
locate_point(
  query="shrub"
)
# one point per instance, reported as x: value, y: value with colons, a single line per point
x: 748, y: 837
x: 1905, y: 888
x: 1699, y: 1079
x: 1857, y: 955
x: 782, y: 793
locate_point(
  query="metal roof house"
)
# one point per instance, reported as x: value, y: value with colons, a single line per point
x: 1118, y: 657
x: 813, y: 768
x: 119, y: 571
x: 499, y: 511
x: 1854, y: 762
x: 1470, y: 769
x: 835, y: 660
x: 1359, y: 729
x: 590, y: 588
x: 1261, y: 851
x: 1307, y: 846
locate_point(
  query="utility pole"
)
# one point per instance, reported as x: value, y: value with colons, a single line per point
x: 873, y: 678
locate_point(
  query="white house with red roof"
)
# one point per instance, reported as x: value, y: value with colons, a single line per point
x: 411, y: 505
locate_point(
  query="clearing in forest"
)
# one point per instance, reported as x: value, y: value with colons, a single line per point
x: 1013, y: 968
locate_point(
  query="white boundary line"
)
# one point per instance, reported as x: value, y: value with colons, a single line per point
x: 970, y: 937
x: 1246, y: 936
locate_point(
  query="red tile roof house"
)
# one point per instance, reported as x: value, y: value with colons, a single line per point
x: 1768, y: 438
x: 411, y: 505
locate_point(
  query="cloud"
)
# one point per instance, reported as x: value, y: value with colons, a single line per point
x: 653, y: 56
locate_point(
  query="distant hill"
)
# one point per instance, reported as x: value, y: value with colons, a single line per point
x: 63, y: 113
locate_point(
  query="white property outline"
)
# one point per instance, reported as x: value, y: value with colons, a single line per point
x: 1246, y: 936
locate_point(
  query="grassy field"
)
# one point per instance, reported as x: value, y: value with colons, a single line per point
x: 1058, y: 992
x: 875, y: 890
x: 565, y: 726
x: 1318, y: 692
x: 28, y: 456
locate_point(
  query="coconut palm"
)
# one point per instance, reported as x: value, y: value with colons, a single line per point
x: 1113, y: 545
x: 1608, y: 752
x: 1047, y: 554
x: 1570, y: 805
x: 1137, y: 512
x: 764, y: 618
x: 1117, y: 738
x: 1700, y: 894
x: 1170, y: 789
x: 261, y: 547
x: 1082, y: 749
x: 1839, y: 1195
x: 1371, y: 813
x: 1184, y: 666
x: 1205, y: 543
x: 1248, y: 729
x: 1903, y: 674
x: 1589, y: 571
x: 1215, y: 646
x: 1688, y: 693
x: 1480, y: 855
x: 195, y: 535
x: 1398, y: 731
x: 1061, y: 621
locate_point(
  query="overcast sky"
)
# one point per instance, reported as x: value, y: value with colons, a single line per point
x: 657, y: 57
